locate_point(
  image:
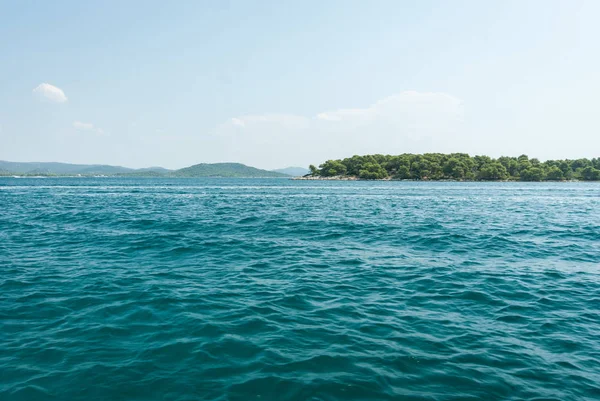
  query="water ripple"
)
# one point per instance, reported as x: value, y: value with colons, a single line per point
x: 168, y: 289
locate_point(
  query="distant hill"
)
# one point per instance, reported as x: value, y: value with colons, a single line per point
x: 293, y: 171
x: 225, y: 170
x: 154, y: 169
x: 198, y: 170
x: 61, y: 168
x: 143, y: 173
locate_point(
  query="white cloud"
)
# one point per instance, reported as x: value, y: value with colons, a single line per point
x: 50, y: 92
x: 284, y: 120
x: 78, y: 125
x: 344, y: 114
x: 83, y: 126
x: 404, y: 122
x: 409, y: 104
x: 238, y: 121
x: 402, y: 107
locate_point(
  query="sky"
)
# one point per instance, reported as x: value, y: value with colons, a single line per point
x: 289, y: 83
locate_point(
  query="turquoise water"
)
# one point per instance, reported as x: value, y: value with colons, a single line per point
x: 249, y: 289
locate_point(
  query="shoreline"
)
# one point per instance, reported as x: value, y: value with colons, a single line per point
x: 312, y: 178
x: 354, y: 178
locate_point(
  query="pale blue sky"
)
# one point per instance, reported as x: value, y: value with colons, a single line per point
x: 280, y: 83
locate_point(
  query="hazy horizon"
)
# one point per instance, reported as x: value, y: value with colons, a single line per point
x: 143, y: 167
x: 283, y: 167
x: 275, y: 85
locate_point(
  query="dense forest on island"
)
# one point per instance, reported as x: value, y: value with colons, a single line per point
x: 458, y: 166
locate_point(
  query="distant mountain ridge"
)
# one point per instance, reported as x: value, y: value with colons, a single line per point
x: 292, y: 171
x: 198, y: 170
x: 225, y: 170
x: 61, y: 168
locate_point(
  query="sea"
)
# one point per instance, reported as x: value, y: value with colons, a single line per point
x: 276, y: 289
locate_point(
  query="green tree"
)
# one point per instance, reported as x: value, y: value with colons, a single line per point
x: 524, y: 165
x: 332, y: 168
x: 532, y: 174
x: 459, y: 166
x: 354, y: 164
x: 492, y: 172
x: 554, y: 174
x: 580, y: 164
x: 454, y: 168
x: 420, y: 168
x: 372, y: 171
x: 590, y: 174
x: 402, y: 173
x: 511, y: 164
x: 398, y: 166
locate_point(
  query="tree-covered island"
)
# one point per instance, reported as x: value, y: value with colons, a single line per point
x: 456, y: 166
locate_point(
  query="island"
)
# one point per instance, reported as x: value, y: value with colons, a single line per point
x: 216, y: 170
x: 455, y: 167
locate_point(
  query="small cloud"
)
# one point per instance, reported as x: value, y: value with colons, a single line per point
x: 239, y: 122
x: 405, y: 104
x: 50, y: 92
x: 344, y: 114
x: 78, y: 125
x: 286, y: 120
x: 83, y: 126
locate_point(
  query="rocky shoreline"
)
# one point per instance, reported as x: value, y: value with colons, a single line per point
x: 334, y: 178
x: 354, y: 178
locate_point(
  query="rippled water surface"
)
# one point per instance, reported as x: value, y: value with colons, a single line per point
x: 249, y: 289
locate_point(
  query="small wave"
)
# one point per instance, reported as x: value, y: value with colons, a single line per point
x: 155, y: 289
